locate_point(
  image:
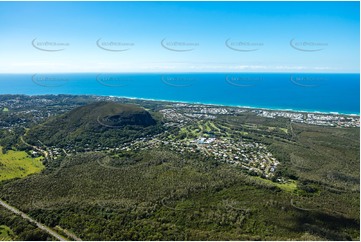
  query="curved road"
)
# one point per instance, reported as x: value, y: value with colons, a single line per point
x: 45, y: 153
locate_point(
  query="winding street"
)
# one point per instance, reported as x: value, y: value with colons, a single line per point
x: 44, y: 152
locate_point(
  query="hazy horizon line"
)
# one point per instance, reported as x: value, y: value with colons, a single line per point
x: 210, y: 72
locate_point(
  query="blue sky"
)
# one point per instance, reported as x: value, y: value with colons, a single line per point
x: 197, y: 37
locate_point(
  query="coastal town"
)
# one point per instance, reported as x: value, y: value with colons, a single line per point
x: 194, y: 129
x: 250, y: 156
x: 334, y: 120
x: 185, y: 112
x: 39, y: 108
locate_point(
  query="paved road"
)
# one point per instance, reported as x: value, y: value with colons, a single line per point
x: 69, y: 234
x: 44, y: 152
x: 40, y: 225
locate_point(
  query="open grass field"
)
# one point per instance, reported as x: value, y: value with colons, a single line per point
x: 289, y: 186
x: 18, y: 164
x: 5, y: 233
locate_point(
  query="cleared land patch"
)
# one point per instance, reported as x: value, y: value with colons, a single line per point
x: 18, y: 164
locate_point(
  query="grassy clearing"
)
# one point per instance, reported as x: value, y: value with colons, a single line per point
x: 183, y: 130
x: 214, y: 127
x: 284, y: 130
x: 6, y: 233
x: 207, y: 127
x: 290, y: 186
x: 18, y: 164
x: 190, y: 132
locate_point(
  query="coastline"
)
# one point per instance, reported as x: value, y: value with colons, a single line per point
x: 271, y: 109
x: 238, y: 106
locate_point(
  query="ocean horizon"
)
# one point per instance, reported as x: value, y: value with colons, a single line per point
x: 300, y: 92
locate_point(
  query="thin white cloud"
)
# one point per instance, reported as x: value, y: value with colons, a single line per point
x: 60, y: 67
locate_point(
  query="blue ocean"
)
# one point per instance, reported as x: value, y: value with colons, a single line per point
x: 330, y: 93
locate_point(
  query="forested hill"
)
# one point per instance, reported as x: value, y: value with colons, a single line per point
x: 107, y: 114
x: 106, y: 122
